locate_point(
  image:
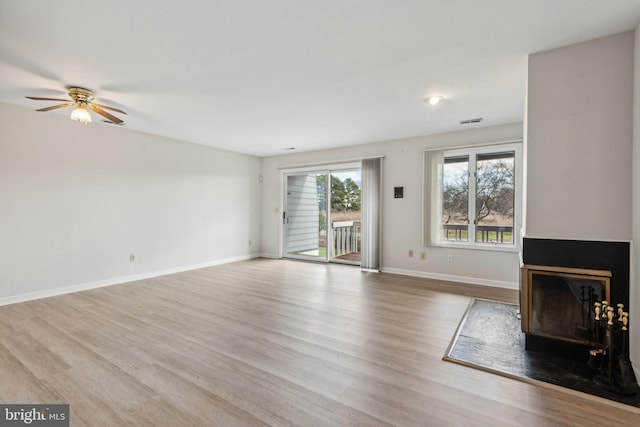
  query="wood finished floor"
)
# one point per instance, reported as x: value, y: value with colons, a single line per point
x: 270, y: 342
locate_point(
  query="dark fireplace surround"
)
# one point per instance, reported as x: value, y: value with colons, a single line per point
x: 568, y: 274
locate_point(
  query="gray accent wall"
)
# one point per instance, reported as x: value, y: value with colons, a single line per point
x: 579, y: 140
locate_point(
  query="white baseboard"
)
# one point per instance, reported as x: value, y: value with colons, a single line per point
x: 269, y: 255
x: 452, y: 278
x: 29, y: 296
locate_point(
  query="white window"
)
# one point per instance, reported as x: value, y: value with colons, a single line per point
x: 473, y: 196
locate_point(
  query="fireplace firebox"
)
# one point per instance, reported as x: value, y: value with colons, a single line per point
x: 557, y: 302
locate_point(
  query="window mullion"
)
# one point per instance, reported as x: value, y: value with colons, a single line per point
x: 472, y: 198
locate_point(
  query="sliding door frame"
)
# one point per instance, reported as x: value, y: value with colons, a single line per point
x: 320, y: 169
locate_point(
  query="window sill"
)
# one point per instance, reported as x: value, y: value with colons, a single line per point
x: 478, y: 246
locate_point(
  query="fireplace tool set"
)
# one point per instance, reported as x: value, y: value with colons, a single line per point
x: 610, y: 358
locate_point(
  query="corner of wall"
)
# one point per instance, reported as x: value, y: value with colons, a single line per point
x: 635, y: 247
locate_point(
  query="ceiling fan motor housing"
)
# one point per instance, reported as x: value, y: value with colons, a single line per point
x: 81, y: 95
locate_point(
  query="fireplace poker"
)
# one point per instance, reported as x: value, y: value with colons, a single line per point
x: 582, y: 300
x: 610, y: 342
x: 596, y: 353
x: 592, y: 298
x: 603, y: 313
x: 599, y: 340
x: 625, y: 322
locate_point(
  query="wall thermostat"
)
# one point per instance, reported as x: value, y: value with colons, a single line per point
x: 398, y: 192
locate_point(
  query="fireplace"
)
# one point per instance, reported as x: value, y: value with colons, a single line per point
x: 574, y: 298
x: 558, y: 302
x: 560, y: 282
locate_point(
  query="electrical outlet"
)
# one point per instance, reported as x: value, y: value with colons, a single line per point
x: 450, y: 257
x: 423, y: 255
x: 410, y: 253
x: 132, y: 257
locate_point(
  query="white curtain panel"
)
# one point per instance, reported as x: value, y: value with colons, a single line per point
x: 371, y: 212
x: 432, y: 183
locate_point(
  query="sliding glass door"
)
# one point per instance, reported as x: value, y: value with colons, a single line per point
x: 305, y: 216
x: 321, y: 215
x: 344, y: 216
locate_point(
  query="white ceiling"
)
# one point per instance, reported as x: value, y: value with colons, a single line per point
x: 258, y: 76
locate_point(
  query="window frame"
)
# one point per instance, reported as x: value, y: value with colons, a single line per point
x: 432, y: 223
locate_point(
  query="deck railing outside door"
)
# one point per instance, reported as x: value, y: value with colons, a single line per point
x: 485, y: 233
x: 346, y: 237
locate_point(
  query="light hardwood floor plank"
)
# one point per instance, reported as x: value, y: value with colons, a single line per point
x: 271, y: 342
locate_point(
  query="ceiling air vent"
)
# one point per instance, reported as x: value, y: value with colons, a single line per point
x: 469, y: 121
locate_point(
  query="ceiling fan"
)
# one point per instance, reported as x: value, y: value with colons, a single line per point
x: 82, y: 99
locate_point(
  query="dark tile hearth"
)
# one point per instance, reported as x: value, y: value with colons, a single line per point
x: 489, y: 338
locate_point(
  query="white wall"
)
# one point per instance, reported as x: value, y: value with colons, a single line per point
x: 579, y: 139
x: 402, y: 218
x: 634, y: 310
x: 76, y: 200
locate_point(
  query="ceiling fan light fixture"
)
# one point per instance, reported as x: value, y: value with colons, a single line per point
x: 434, y: 100
x: 81, y: 114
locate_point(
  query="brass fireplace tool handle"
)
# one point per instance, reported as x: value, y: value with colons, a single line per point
x: 620, y: 311
x: 610, y: 316
x: 625, y: 321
